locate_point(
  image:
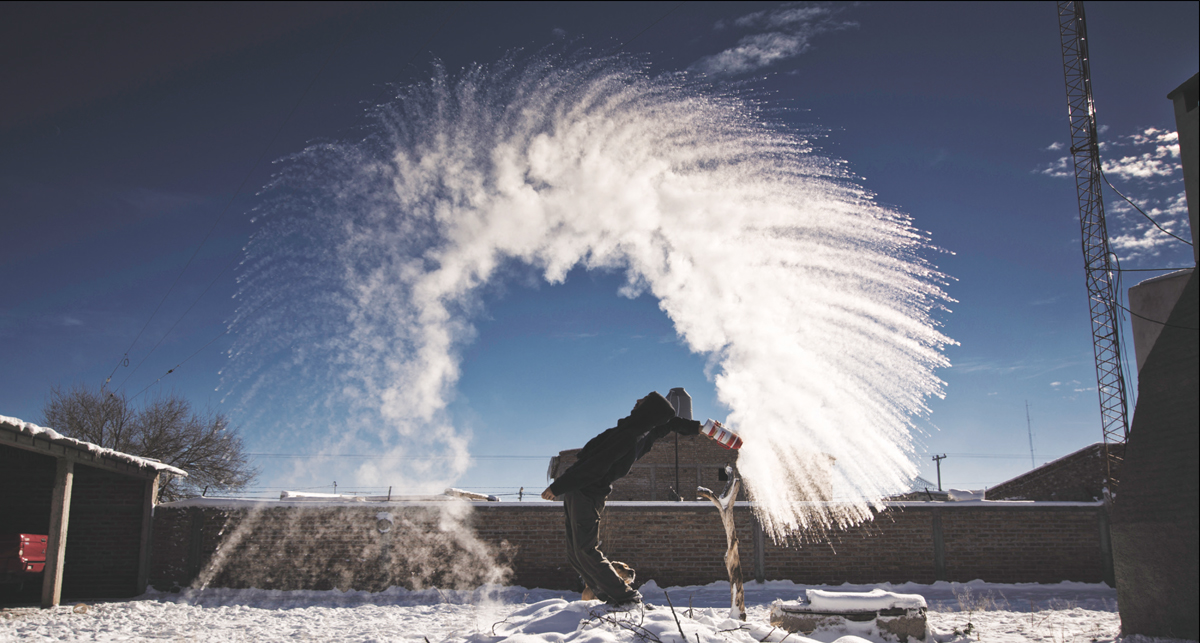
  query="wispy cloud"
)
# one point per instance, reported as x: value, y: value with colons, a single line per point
x: 1022, y: 368
x: 1062, y: 168
x: 775, y: 35
x: 574, y: 336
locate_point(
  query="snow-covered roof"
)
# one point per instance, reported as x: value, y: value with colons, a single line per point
x: 31, y: 430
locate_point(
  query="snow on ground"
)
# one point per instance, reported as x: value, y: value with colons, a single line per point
x: 958, y: 612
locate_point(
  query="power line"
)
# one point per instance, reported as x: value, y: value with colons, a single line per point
x: 195, y: 353
x: 994, y: 456
x: 1155, y: 321
x: 1135, y: 207
x: 377, y: 456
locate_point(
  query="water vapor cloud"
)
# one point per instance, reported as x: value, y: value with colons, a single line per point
x: 814, y: 305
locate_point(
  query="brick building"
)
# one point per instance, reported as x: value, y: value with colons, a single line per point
x: 701, y: 463
x: 1077, y: 477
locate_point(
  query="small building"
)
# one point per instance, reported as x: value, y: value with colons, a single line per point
x: 94, y: 504
x: 1077, y: 477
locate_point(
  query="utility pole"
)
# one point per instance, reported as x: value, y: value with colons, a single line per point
x: 1029, y: 426
x: 938, y: 459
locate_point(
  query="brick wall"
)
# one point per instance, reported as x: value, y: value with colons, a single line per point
x: 897, y: 546
x: 1023, y: 545
x: 324, y: 546
x: 26, y: 487
x: 104, y: 538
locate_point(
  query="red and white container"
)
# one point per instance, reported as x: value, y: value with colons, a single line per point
x: 722, y: 435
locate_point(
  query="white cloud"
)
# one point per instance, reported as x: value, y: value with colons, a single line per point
x: 1137, y: 238
x: 1155, y: 135
x: 1055, y: 146
x: 1145, y: 166
x: 1146, y: 241
x: 780, y: 34
x: 1062, y: 168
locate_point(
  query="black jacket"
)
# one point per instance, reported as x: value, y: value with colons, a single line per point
x: 609, y: 456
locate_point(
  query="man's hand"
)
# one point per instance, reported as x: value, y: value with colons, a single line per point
x: 547, y: 494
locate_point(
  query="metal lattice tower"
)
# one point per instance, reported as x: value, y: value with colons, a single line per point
x: 1106, y: 339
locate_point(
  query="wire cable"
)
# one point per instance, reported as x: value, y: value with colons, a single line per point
x: 1155, y: 321
x: 1143, y: 213
x: 379, y: 456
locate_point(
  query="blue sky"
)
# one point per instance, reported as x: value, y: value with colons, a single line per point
x: 137, y: 133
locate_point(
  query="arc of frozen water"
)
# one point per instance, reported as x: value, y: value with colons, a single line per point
x: 813, y: 302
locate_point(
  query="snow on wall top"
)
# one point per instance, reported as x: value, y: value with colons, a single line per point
x: 215, y: 502
x: 42, y: 433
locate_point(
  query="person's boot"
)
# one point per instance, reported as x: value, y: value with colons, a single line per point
x: 633, y: 599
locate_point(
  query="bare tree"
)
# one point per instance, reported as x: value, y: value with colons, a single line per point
x: 165, y: 429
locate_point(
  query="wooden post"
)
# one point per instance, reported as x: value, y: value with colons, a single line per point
x: 56, y: 544
x: 148, y: 502
x: 733, y: 560
x: 760, y: 551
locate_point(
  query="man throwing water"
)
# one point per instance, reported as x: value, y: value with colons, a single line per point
x: 606, y: 458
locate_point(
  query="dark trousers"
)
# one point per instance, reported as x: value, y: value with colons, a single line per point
x: 583, y: 548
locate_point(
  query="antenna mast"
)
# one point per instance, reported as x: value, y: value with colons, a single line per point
x: 1106, y: 339
x: 1029, y: 426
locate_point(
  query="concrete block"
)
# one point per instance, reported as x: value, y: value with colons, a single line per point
x: 901, y: 616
